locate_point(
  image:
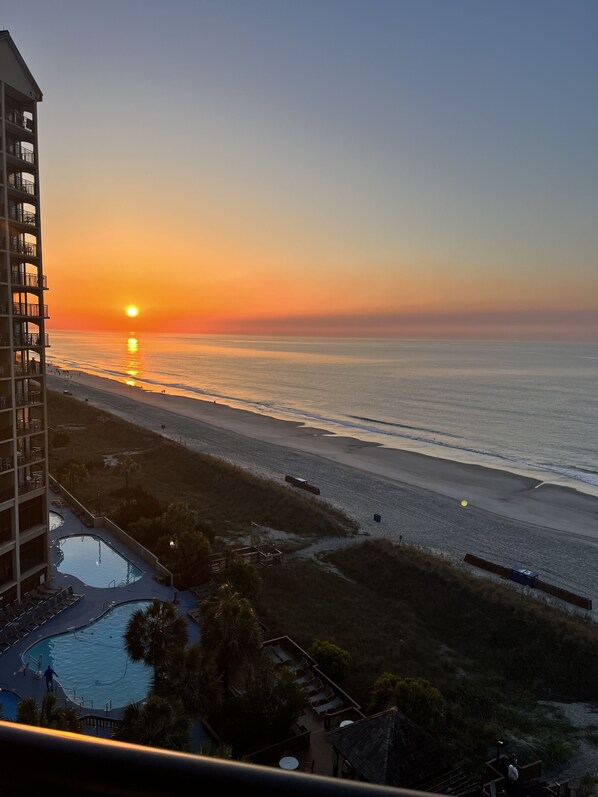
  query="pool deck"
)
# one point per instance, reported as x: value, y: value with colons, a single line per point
x: 94, y: 602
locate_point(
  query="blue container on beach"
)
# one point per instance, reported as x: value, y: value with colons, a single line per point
x: 523, y: 576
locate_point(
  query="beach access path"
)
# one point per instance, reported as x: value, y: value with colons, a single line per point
x: 509, y: 519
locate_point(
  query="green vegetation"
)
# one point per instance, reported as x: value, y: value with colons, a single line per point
x: 157, y: 722
x: 333, y: 661
x: 491, y: 652
x: 48, y: 715
x: 192, y: 682
x: 588, y: 786
x: 466, y: 655
x: 230, y: 631
x: 152, y: 633
x: 415, y: 697
x: 228, y: 498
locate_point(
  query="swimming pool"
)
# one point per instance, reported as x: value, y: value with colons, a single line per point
x: 91, y: 664
x: 8, y: 702
x: 95, y: 562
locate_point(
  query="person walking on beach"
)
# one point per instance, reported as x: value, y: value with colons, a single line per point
x: 49, y: 675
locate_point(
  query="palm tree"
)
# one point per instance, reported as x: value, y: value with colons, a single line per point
x: 73, y: 472
x: 191, y: 677
x: 127, y: 465
x: 49, y: 715
x: 230, y: 631
x: 152, y: 634
x: 156, y: 722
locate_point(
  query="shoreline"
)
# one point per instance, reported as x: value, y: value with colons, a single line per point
x: 508, y: 495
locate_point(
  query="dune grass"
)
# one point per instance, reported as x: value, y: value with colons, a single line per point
x: 229, y: 498
x: 493, y: 652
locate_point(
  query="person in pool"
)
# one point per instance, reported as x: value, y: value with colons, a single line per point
x: 49, y: 676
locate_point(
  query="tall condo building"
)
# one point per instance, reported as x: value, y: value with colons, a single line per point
x: 23, y: 415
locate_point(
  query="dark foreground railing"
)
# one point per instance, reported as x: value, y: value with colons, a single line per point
x: 36, y: 761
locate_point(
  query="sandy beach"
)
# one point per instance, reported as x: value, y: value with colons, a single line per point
x: 509, y: 519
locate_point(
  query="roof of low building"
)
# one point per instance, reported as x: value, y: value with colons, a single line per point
x: 389, y: 749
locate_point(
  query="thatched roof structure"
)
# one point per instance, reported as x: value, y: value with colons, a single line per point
x: 388, y: 749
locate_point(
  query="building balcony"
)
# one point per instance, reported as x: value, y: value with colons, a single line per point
x: 36, y: 454
x: 33, y: 482
x: 4, y: 402
x: 29, y: 339
x: 23, y: 399
x: 32, y: 426
x: 29, y: 310
x: 31, y: 368
x: 18, y: 183
x: 23, y: 217
x: 19, y: 119
x: 22, y: 154
x: 28, y: 280
x: 23, y: 248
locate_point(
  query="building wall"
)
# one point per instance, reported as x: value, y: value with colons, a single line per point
x: 24, y: 538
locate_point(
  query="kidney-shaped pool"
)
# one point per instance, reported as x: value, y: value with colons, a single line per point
x: 91, y: 664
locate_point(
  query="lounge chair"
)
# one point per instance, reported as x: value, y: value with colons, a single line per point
x: 330, y: 706
x: 283, y: 658
x: 316, y: 686
x: 305, y: 680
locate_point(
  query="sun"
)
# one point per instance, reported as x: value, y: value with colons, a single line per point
x: 132, y: 311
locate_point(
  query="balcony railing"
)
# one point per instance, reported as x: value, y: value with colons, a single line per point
x: 23, y: 248
x: 32, y: 368
x: 81, y: 766
x: 22, y: 399
x: 29, y: 280
x: 18, y: 118
x: 24, y: 217
x: 32, y: 426
x: 23, y: 154
x: 35, y: 455
x: 31, y: 340
x: 19, y: 183
x: 32, y: 483
x: 28, y: 309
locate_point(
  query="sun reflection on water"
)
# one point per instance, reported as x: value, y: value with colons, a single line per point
x: 132, y: 364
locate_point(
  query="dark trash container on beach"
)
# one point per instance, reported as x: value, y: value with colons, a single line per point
x: 377, y: 518
x: 523, y: 576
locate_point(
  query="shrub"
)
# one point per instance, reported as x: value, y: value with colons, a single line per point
x: 332, y: 659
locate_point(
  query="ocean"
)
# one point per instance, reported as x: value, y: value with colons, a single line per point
x: 526, y: 407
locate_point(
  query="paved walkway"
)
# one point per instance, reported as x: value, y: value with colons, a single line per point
x: 94, y: 602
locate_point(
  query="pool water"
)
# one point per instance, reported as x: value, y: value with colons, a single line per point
x: 8, y: 704
x: 95, y: 562
x: 91, y: 664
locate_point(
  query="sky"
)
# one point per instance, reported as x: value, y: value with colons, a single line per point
x: 383, y: 168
